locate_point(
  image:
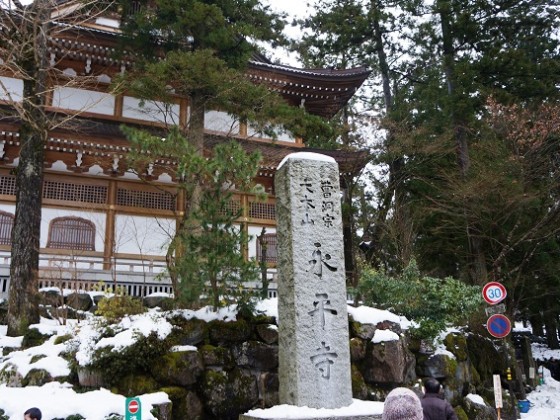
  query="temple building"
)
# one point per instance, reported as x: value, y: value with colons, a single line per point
x: 100, y: 221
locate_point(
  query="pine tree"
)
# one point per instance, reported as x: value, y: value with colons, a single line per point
x: 199, y: 50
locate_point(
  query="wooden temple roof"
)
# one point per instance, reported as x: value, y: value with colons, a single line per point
x: 104, y: 139
x: 322, y: 91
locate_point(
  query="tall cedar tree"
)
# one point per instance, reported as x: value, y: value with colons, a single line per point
x: 477, y: 203
x: 335, y: 36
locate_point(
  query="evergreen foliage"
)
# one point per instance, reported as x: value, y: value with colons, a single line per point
x: 207, y: 249
x: 431, y: 302
x: 467, y: 95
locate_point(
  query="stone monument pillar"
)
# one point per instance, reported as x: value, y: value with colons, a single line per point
x: 314, y: 355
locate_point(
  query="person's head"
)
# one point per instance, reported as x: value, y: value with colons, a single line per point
x: 32, y: 414
x: 402, y: 404
x: 432, y: 386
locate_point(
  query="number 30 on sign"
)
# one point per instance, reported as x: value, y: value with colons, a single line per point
x: 494, y: 292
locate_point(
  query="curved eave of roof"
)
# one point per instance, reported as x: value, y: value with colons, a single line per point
x: 357, y: 73
x: 105, y: 138
x: 350, y: 162
x: 322, y: 92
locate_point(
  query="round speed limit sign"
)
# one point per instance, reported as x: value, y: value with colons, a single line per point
x: 494, y: 292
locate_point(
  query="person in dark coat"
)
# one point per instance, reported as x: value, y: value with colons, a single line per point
x: 433, y: 403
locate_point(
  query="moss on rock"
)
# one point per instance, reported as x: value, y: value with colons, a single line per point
x: 359, y: 387
x: 357, y: 349
x: 178, y: 368
x: 221, y: 332
x: 457, y: 344
x: 484, y: 357
x: 190, y: 332
x: 228, y: 394
x: 33, y: 338
x: 217, y: 356
x: 37, y: 377
x: 461, y: 415
x: 135, y: 384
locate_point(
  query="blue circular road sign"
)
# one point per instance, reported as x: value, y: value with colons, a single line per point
x: 498, y: 325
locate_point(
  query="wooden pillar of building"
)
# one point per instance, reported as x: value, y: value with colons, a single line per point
x: 109, y: 245
x: 244, y: 223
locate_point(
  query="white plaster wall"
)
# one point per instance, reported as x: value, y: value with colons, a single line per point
x: 221, y: 121
x: 150, y: 110
x: 281, y: 134
x: 10, y: 208
x: 255, y: 231
x: 111, y: 23
x: 143, y: 235
x: 11, y: 86
x: 84, y: 100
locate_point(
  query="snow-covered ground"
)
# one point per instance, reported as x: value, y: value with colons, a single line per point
x: 545, y: 400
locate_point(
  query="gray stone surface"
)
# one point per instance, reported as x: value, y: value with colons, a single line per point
x: 314, y: 355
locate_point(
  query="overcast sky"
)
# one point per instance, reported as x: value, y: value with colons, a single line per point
x: 295, y: 9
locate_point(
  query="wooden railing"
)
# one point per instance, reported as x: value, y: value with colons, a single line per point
x: 137, y: 277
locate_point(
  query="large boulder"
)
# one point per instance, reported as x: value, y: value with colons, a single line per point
x: 357, y: 349
x: 485, y: 358
x: 188, y: 332
x: 219, y: 357
x: 257, y: 355
x: 51, y: 297
x: 181, y: 368
x: 388, y: 363
x: 135, y: 384
x: 437, y: 366
x: 478, y: 409
x: 159, y: 301
x: 79, y: 301
x: 163, y: 411
x: 363, y: 331
x: 360, y: 390
x: 226, y: 333
x: 37, y: 377
x: 228, y: 394
x: 185, y: 404
x: 267, y: 333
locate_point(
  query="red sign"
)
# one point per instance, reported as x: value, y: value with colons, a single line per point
x: 133, y: 407
x: 494, y: 292
x: 498, y: 325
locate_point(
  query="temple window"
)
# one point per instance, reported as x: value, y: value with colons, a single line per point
x: 71, y: 233
x: 269, y: 240
x: 6, y: 225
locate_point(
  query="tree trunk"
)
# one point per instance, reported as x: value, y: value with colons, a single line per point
x: 396, y: 165
x: 195, y: 134
x: 537, y: 324
x: 551, y: 325
x: 477, y: 258
x: 348, y: 233
x: 263, y: 264
x: 23, y: 302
